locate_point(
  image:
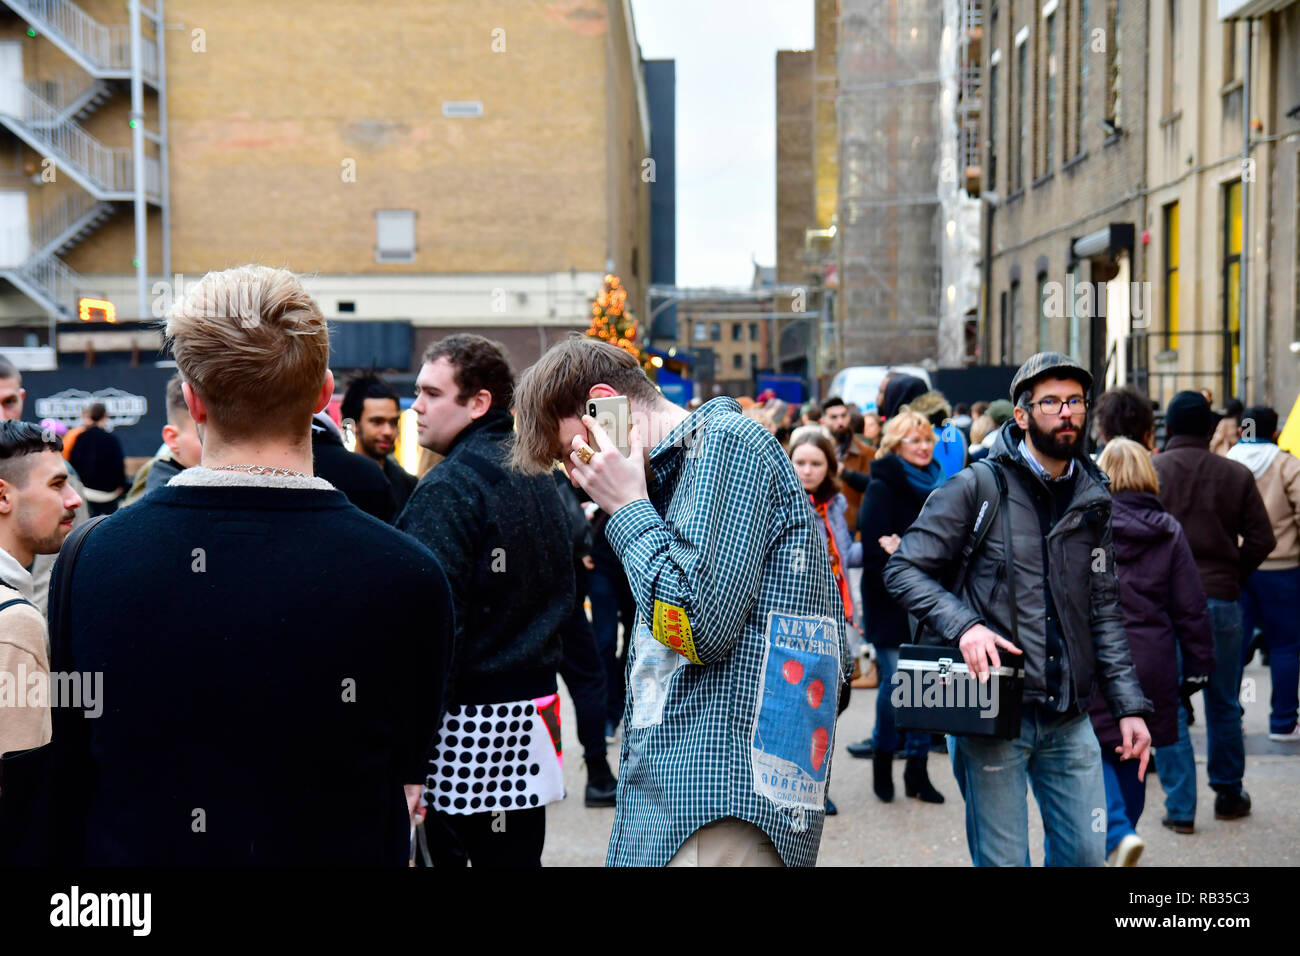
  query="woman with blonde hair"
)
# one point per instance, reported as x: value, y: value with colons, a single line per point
x: 1165, y: 614
x: 903, y: 474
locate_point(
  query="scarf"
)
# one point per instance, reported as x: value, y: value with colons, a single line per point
x: 823, y: 511
x: 923, y: 480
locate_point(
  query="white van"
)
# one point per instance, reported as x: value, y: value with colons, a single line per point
x: 859, y: 384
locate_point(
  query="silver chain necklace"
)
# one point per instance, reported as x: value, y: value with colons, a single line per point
x: 263, y: 470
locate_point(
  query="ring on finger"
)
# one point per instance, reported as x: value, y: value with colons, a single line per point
x: 585, y: 454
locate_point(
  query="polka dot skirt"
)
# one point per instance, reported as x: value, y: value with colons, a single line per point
x: 493, y: 757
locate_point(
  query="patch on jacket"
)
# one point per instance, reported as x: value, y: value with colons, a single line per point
x: 672, y: 628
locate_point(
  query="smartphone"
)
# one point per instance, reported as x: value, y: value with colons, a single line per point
x: 615, y: 416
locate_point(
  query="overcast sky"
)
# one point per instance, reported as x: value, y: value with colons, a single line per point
x: 726, y: 125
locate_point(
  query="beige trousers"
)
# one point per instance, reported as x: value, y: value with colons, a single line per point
x: 727, y: 842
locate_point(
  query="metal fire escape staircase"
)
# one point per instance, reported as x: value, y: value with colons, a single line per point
x: 45, y: 116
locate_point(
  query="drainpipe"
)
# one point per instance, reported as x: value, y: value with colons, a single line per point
x: 137, y: 162
x: 1245, y: 216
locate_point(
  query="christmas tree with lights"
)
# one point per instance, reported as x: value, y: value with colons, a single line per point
x: 610, y: 322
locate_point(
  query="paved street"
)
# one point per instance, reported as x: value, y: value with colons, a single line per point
x: 910, y: 833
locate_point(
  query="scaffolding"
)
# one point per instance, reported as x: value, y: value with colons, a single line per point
x: 888, y: 118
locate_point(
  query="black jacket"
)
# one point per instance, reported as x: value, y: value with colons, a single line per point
x: 504, y: 540
x: 400, y: 483
x: 355, y: 475
x: 1217, y: 503
x: 889, y: 506
x: 273, y: 720
x: 1081, y: 566
x: 97, y: 456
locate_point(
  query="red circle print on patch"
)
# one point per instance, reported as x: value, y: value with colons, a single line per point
x: 816, y: 691
x: 792, y: 671
x: 819, y: 740
x: 675, y: 641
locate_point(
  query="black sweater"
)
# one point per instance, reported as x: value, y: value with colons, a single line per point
x: 272, y: 664
x: 504, y: 540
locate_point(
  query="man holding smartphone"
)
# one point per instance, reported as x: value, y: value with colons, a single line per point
x: 737, y: 661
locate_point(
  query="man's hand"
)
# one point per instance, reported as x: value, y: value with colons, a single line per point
x: 979, y: 646
x: 889, y: 543
x: 413, y: 793
x: 611, y: 480
x: 1137, y: 743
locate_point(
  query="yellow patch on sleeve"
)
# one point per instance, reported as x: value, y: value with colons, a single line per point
x: 673, y: 630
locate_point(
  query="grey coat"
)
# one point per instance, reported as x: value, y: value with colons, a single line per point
x: 1081, y: 563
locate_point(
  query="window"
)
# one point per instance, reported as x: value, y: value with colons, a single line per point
x: 1049, y: 126
x: 736, y: 331
x: 1044, y: 315
x: 1017, y: 322
x: 1081, y: 83
x: 715, y: 331
x: 753, y: 331
x: 395, y: 235
x: 1171, y: 275
x: 738, y: 361
x: 993, y: 127
x: 1173, y: 60
x: 1114, y: 67
x: 1234, y: 50
x: 347, y: 306
x: 1232, y: 275
x: 1022, y: 116
x: 701, y: 332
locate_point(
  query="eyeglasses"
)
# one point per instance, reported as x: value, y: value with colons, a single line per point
x: 913, y: 440
x: 1051, y: 405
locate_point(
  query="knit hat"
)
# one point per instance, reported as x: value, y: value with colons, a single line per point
x: 1188, y: 413
x: 999, y: 411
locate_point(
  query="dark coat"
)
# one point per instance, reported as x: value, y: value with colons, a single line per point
x: 1091, y: 622
x: 1164, y: 605
x: 889, y: 506
x: 361, y: 479
x: 276, y: 695
x: 504, y: 540
x: 97, y: 456
x: 1215, y: 500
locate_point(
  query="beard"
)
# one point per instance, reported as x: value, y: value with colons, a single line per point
x: 1054, y: 444
x: 42, y: 540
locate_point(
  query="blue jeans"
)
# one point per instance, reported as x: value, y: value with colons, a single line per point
x: 1269, y: 601
x: 1176, y: 768
x: 884, y: 739
x: 1226, y: 763
x: 1057, y: 754
x: 1126, y: 796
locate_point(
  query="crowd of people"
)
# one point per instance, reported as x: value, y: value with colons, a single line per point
x: 711, y: 600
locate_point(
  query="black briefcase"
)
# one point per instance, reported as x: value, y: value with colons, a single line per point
x: 933, y: 691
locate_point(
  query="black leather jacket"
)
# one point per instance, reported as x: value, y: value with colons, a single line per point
x: 1081, y: 566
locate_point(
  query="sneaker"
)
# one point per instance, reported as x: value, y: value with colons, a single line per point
x: 1291, y: 738
x: 1179, y: 826
x: 1128, y: 851
x: 1231, y: 805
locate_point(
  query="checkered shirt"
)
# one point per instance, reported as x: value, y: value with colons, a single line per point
x: 726, y: 537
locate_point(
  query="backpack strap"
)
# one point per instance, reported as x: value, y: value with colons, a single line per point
x: 60, y: 604
x: 990, y: 489
x: 16, y: 601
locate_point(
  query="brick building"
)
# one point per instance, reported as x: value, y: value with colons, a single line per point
x: 433, y: 166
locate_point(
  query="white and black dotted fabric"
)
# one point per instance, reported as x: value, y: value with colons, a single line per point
x: 493, y: 757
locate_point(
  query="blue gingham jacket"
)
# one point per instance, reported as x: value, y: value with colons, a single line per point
x: 726, y: 539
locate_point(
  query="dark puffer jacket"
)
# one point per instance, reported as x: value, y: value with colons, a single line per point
x: 1163, y: 606
x: 890, y: 506
x: 1092, y: 624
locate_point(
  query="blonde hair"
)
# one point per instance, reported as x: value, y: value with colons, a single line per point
x: 980, y: 428
x: 897, y: 428
x: 1129, y: 466
x: 254, y: 346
